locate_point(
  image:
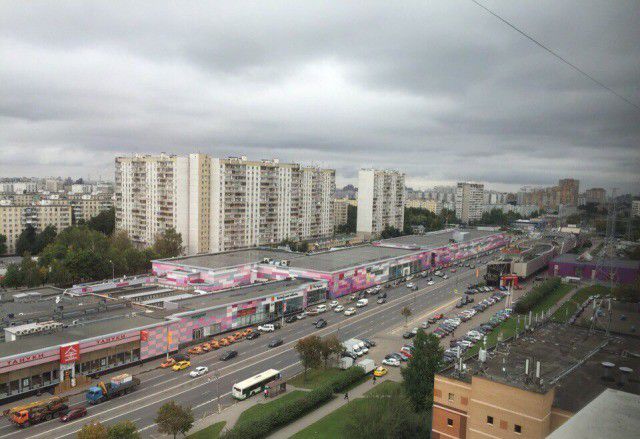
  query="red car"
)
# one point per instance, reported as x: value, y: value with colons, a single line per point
x: 438, y: 316
x: 73, y: 414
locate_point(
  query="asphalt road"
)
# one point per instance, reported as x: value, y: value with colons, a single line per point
x: 160, y: 386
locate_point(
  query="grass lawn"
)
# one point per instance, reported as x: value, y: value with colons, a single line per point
x: 384, y: 388
x: 270, y: 406
x: 211, y: 432
x: 508, y: 327
x: 567, y: 309
x: 315, y: 378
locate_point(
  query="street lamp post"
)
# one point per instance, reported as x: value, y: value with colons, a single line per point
x: 113, y: 269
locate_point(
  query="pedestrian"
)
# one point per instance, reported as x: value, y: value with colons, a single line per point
x: 374, y: 379
x: 346, y: 396
x: 266, y: 393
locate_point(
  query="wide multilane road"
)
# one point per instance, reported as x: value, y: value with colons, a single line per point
x: 203, y: 393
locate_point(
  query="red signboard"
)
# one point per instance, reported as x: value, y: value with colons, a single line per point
x: 246, y: 312
x: 144, y: 335
x: 69, y: 353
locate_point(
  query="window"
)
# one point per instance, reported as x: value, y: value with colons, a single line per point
x: 490, y: 420
x: 450, y: 422
x: 451, y: 396
x: 517, y: 428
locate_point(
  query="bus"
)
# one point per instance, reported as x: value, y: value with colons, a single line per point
x: 255, y: 384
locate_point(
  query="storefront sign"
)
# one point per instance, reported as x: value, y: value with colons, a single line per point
x: 111, y: 339
x: 144, y: 335
x: 25, y: 359
x: 246, y: 312
x: 69, y: 353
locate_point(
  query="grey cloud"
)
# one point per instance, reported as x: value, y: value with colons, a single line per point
x: 438, y: 89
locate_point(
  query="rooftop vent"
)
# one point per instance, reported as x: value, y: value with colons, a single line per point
x: 623, y: 377
x: 607, y: 370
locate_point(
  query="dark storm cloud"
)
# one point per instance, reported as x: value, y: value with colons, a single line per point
x: 440, y: 89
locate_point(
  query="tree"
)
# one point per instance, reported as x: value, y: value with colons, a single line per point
x: 44, y: 238
x: 390, y: 232
x: 32, y: 275
x: 104, y: 222
x: 329, y: 346
x: 123, y: 430
x: 3, y: 244
x: 168, y: 244
x: 309, y: 349
x: 13, y: 277
x: 172, y: 419
x: 421, y: 368
x: 628, y: 292
x: 26, y: 242
x: 93, y: 430
x: 388, y: 415
x: 406, y: 313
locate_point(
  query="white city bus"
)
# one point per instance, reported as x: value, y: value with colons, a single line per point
x: 255, y: 384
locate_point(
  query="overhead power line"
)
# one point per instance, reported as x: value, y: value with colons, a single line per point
x: 564, y: 60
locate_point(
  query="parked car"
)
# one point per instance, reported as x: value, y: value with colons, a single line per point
x: 333, y: 304
x: 424, y: 325
x: 198, y: 371
x: 408, y: 335
x: 381, y: 301
x: 410, y: 285
x: 74, y: 414
x: 291, y: 319
x: 180, y: 365
x: 382, y: 295
x: 380, y: 371
x: 275, y: 343
x: 228, y: 355
x: 253, y: 335
x: 168, y: 363
x: 368, y: 342
x: 339, y: 308
x: 321, y: 323
x: 391, y: 362
x: 267, y: 328
x: 302, y: 315
x: 350, y: 311
x: 362, y: 303
x: 414, y: 331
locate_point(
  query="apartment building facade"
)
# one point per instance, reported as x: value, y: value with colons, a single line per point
x: 469, y: 201
x: 87, y: 206
x: 595, y: 195
x: 565, y: 193
x: 431, y: 205
x: 220, y: 204
x: 14, y: 218
x: 381, y: 201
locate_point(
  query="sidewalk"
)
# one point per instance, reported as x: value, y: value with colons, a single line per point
x: 337, y: 402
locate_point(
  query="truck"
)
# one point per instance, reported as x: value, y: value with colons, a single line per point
x: 38, y: 411
x: 116, y: 386
x: 367, y: 364
x: 355, y: 346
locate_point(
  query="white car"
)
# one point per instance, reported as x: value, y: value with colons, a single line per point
x: 339, y: 308
x: 430, y: 282
x: 362, y: 302
x: 410, y: 285
x: 198, y: 371
x: 444, y: 276
x: 333, y: 304
x: 378, y: 288
x: 391, y: 362
x: 350, y: 311
x: 267, y: 328
x: 321, y: 308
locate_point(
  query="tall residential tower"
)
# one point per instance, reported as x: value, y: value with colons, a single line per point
x: 380, y: 201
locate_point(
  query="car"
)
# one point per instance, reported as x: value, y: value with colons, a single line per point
x: 228, y: 355
x: 370, y: 343
x: 181, y: 357
x: 351, y: 355
x: 350, y: 311
x: 275, y: 343
x: 362, y: 303
x: 382, y: 295
x: 291, y: 319
x: 430, y: 282
x: 394, y: 355
x: 339, y: 308
x: 195, y: 350
x: 353, y: 297
x: 453, y: 270
x: 432, y: 320
x: 333, y: 304
x: 168, y: 363
x: 439, y: 316
x: 380, y: 371
x: 73, y: 414
x: 301, y: 316
x: 180, y: 365
x: 424, y: 325
x: 312, y: 312
x: 381, y: 301
x: 253, y: 335
x: 402, y: 355
x: 408, y: 335
x: 198, y: 371
x: 410, y: 285
x: 444, y: 276
x: 267, y: 328
x: 414, y: 331
x: 391, y: 362
x: 321, y: 323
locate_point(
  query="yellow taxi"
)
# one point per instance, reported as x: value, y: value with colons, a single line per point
x: 181, y: 365
x: 380, y: 371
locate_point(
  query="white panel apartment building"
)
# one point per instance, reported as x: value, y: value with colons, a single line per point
x: 381, y: 201
x: 222, y: 204
x: 469, y: 201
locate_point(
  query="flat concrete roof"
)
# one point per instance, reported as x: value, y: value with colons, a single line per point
x: 232, y: 258
x: 570, y: 358
x: 436, y: 239
x: 335, y: 260
x: 241, y: 294
x: 617, y: 263
x: 612, y: 414
x: 92, y: 328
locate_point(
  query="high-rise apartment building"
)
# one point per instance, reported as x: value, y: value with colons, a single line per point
x: 635, y: 208
x: 566, y: 193
x: 595, y: 195
x: 381, y: 200
x: 469, y: 201
x: 14, y: 218
x: 220, y: 204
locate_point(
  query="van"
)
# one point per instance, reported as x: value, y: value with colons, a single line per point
x: 362, y: 302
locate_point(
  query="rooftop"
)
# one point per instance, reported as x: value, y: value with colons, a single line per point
x: 232, y: 258
x: 435, y: 239
x: 617, y: 263
x: 241, y: 294
x: 570, y: 359
x: 334, y: 260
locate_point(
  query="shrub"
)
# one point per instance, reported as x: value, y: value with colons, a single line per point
x: 533, y: 297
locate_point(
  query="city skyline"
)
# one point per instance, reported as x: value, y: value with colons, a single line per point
x: 332, y: 88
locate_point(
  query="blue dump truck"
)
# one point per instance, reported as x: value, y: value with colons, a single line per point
x: 116, y: 386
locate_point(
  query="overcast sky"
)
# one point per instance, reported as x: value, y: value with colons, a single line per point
x: 438, y: 89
